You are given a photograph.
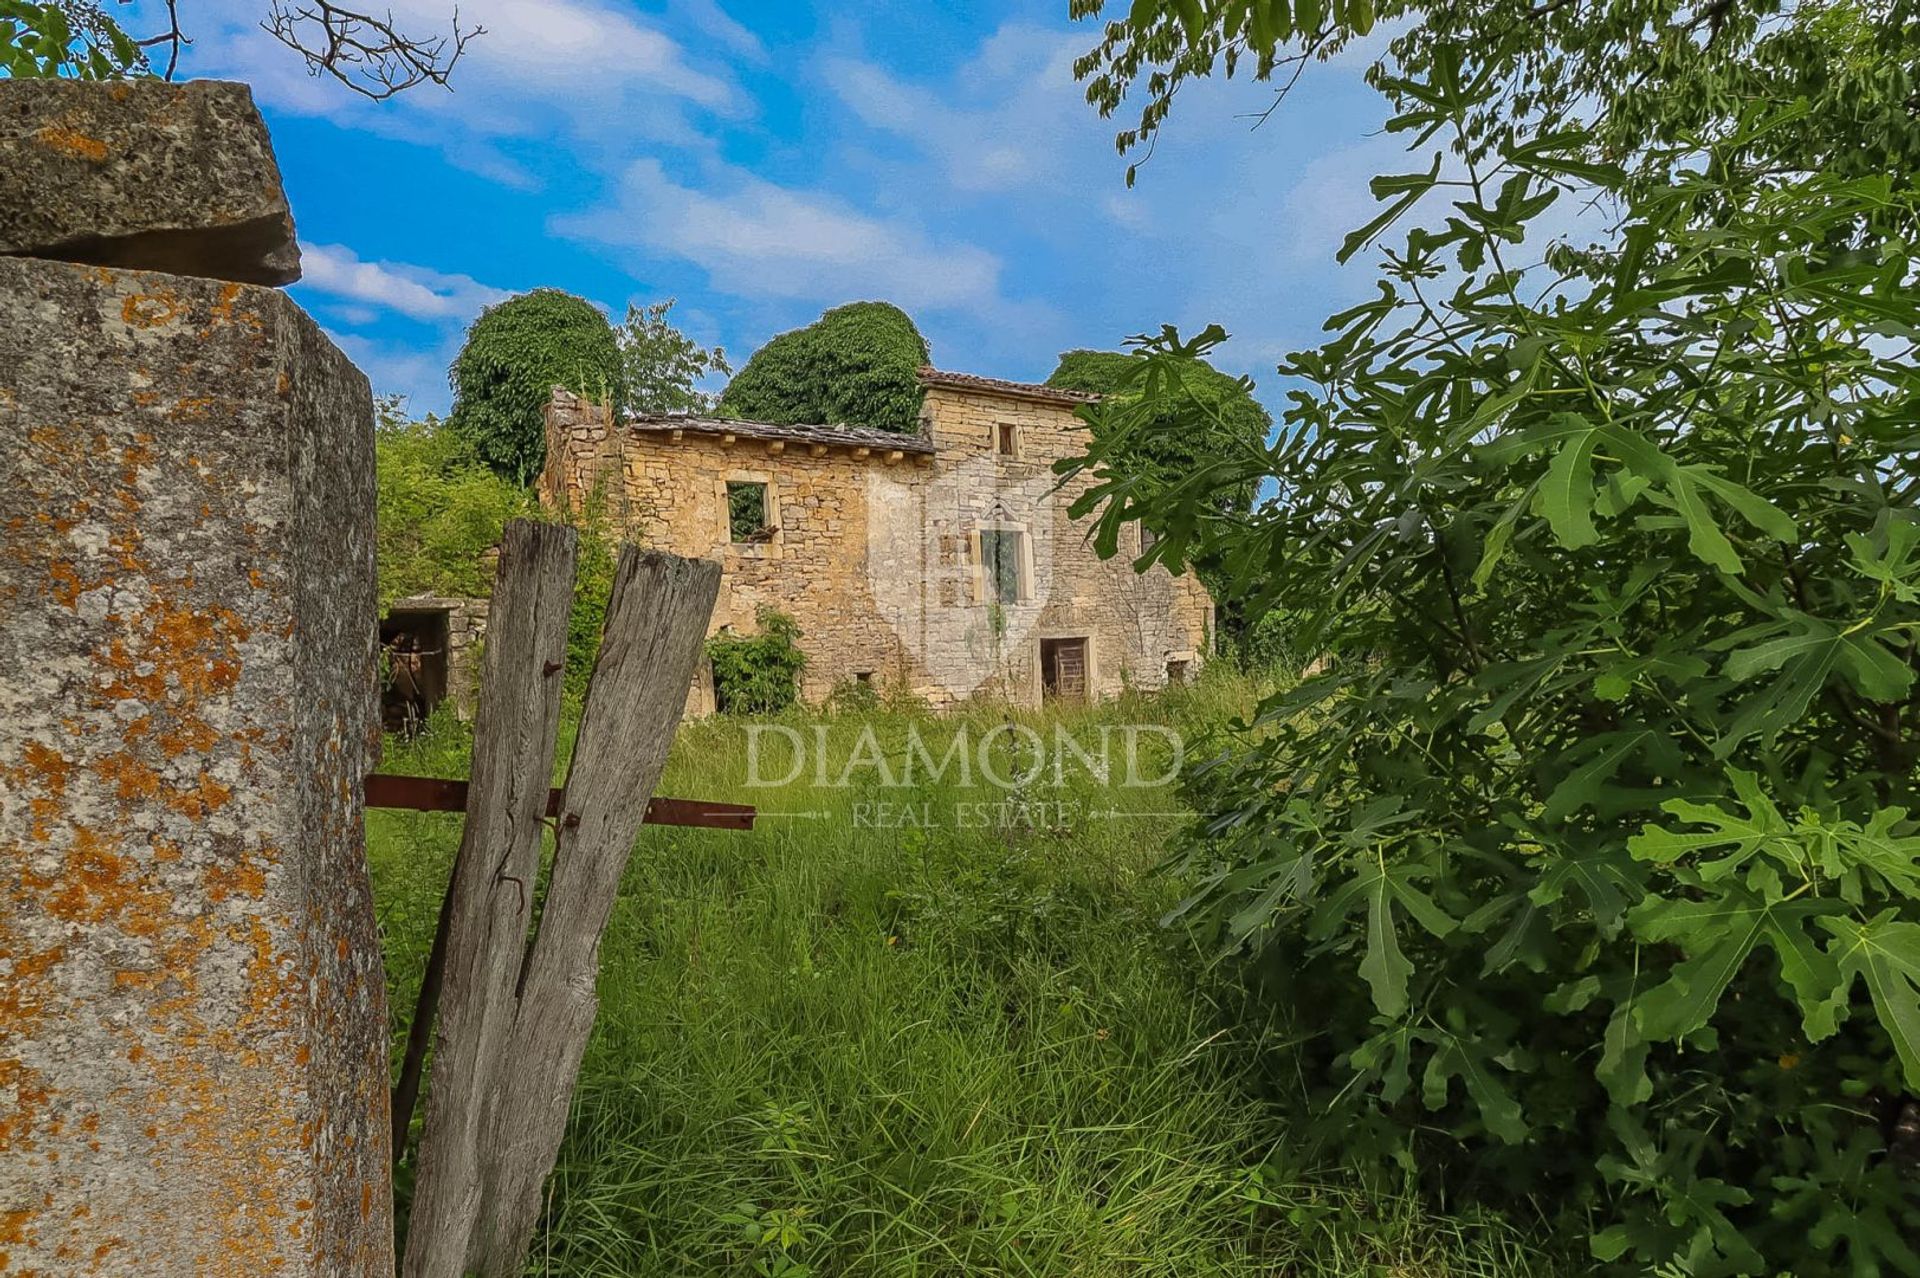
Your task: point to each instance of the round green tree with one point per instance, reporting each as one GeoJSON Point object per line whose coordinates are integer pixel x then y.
{"type": "Point", "coordinates": [516, 353]}
{"type": "Point", "coordinates": [856, 365]}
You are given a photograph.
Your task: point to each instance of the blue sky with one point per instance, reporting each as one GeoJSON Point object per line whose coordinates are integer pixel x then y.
{"type": "Point", "coordinates": [763, 161]}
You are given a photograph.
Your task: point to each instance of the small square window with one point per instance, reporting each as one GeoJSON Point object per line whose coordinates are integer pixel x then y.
{"type": "Point", "coordinates": [1176, 672]}
{"type": "Point", "coordinates": [1006, 439]}
{"type": "Point", "coordinates": [1000, 559]}
{"type": "Point", "coordinates": [1148, 539]}
{"type": "Point", "coordinates": [864, 678]}
{"type": "Point", "coordinates": [747, 521]}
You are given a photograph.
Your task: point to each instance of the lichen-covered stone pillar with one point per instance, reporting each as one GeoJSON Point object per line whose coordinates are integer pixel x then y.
{"type": "Point", "coordinates": [192, 1013]}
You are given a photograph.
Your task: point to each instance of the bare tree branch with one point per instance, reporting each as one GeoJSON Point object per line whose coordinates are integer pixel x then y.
{"type": "Point", "coordinates": [367, 54]}
{"type": "Point", "coordinates": [173, 37]}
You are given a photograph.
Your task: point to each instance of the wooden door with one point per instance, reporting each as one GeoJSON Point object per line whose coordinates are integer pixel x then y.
{"type": "Point", "coordinates": [1063, 668]}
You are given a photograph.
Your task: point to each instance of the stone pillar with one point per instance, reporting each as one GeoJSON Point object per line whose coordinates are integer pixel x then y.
{"type": "Point", "coordinates": [193, 1056]}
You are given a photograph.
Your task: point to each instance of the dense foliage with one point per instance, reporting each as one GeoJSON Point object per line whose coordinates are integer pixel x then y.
{"type": "Point", "coordinates": [856, 365]}
{"type": "Point", "coordinates": [758, 673]}
{"type": "Point", "coordinates": [1588, 869]}
{"type": "Point", "coordinates": [515, 354]}
{"type": "Point", "coordinates": [1164, 437]}
{"type": "Point", "coordinates": [440, 510]}
{"type": "Point", "coordinates": [440, 516]}
{"type": "Point", "coordinates": [71, 38]}
{"type": "Point", "coordinates": [660, 366]}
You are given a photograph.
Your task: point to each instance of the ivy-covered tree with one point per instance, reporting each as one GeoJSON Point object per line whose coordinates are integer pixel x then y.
{"type": "Point", "coordinates": [660, 366]}
{"type": "Point", "coordinates": [515, 354]}
{"type": "Point", "coordinates": [856, 365]}
{"type": "Point", "coordinates": [1589, 867]}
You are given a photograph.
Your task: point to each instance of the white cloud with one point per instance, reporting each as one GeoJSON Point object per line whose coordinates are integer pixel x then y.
{"type": "Point", "coordinates": [1009, 118]}
{"type": "Point", "coordinates": [714, 22]}
{"type": "Point", "coordinates": [587, 76]}
{"type": "Point", "coordinates": [756, 239]}
{"type": "Point", "coordinates": [420, 375]}
{"type": "Point", "coordinates": [414, 291]}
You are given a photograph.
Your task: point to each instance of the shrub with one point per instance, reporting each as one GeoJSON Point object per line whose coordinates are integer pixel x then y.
{"type": "Point", "coordinates": [857, 364]}
{"type": "Point", "coordinates": [1588, 876]}
{"type": "Point", "coordinates": [593, 569]}
{"type": "Point", "coordinates": [759, 673]}
{"type": "Point", "coordinates": [515, 354]}
{"type": "Point", "coordinates": [439, 510]}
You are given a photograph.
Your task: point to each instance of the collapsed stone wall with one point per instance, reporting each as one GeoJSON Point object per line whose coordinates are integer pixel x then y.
{"type": "Point", "coordinates": [193, 1040]}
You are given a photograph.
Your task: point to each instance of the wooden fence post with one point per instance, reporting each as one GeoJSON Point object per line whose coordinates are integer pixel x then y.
{"type": "Point", "coordinates": [493, 882]}
{"type": "Point", "coordinates": [508, 1113]}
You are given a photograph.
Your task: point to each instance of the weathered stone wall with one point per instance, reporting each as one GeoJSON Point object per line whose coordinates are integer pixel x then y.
{"type": "Point", "coordinates": [193, 1063]}
{"type": "Point", "coordinates": [906, 624]}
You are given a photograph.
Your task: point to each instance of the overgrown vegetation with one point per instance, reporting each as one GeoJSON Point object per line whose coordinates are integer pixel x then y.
{"type": "Point", "coordinates": [856, 365]}
{"type": "Point", "coordinates": [1163, 437]}
{"type": "Point", "coordinates": [758, 673]}
{"type": "Point", "coordinates": [1589, 867]}
{"type": "Point", "coordinates": [440, 516]}
{"type": "Point", "coordinates": [515, 354]}
{"type": "Point", "coordinates": [440, 510]}
{"type": "Point", "coordinates": [828, 1047]}
{"type": "Point", "coordinates": [1196, 418]}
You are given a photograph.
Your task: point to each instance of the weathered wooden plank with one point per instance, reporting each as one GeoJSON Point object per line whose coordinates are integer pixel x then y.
{"type": "Point", "coordinates": [494, 874]}
{"type": "Point", "coordinates": [656, 624]}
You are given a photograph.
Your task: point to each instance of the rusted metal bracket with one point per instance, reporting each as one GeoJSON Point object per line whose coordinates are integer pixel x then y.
{"type": "Point", "coordinates": [439, 794]}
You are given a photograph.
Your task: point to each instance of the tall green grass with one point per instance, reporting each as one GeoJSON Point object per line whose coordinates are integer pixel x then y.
{"type": "Point", "coordinates": [826, 1047]}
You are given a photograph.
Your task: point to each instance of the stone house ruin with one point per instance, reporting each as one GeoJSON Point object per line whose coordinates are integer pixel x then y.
{"type": "Point", "coordinates": [941, 564]}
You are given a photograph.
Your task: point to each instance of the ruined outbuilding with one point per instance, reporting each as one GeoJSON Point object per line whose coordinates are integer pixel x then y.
{"type": "Point", "coordinates": [940, 564]}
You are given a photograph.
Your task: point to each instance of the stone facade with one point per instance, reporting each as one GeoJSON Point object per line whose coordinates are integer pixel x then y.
{"type": "Point", "coordinates": [941, 565]}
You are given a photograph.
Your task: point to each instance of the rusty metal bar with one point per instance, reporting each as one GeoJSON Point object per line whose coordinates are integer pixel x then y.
{"type": "Point", "coordinates": [439, 794]}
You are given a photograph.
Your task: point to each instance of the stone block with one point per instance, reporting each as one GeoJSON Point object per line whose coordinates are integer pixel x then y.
{"type": "Point", "coordinates": [193, 1064]}
{"type": "Point", "coordinates": [143, 174]}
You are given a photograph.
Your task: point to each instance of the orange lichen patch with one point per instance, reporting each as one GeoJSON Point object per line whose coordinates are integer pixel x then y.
{"type": "Point", "coordinates": [63, 583]}
{"type": "Point", "coordinates": [71, 142]}
{"type": "Point", "coordinates": [240, 878]}
{"type": "Point", "coordinates": [150, 310]}
{"type": "Point", "coordinates": [96, 884]}
{"type": "Point", "coordinates": [189, 408]}
{"type": "Point", "coordinates": [191, 734]}
{"type": "Point", "coordinates": [132, 780]}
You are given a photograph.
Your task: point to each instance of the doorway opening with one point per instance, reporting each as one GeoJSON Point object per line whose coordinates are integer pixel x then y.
{"type": "Point", "coordinates": [1063, 669]}
{"type": "Point", "coordinates": [413, 645]}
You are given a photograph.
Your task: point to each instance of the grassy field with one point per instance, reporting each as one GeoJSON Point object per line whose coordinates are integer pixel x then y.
{"type": "Point", "coordinates": [925, 1039]}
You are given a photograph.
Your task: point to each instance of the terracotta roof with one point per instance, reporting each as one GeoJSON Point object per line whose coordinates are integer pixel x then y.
{"type": "Point", "coordinates": [843, 436]}
{"type": "Point", "coordinates": [930, 376]}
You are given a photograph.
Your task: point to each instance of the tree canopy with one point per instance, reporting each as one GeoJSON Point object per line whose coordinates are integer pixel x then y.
{"type": "Point", "coordinates": [515, 354]}
{"type": "Point", "coordinates": [856, 365]}
{"type": "Point", "coordinates": [660, 366]}
{"type": "Point", "coordinates": [1589, 861]}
